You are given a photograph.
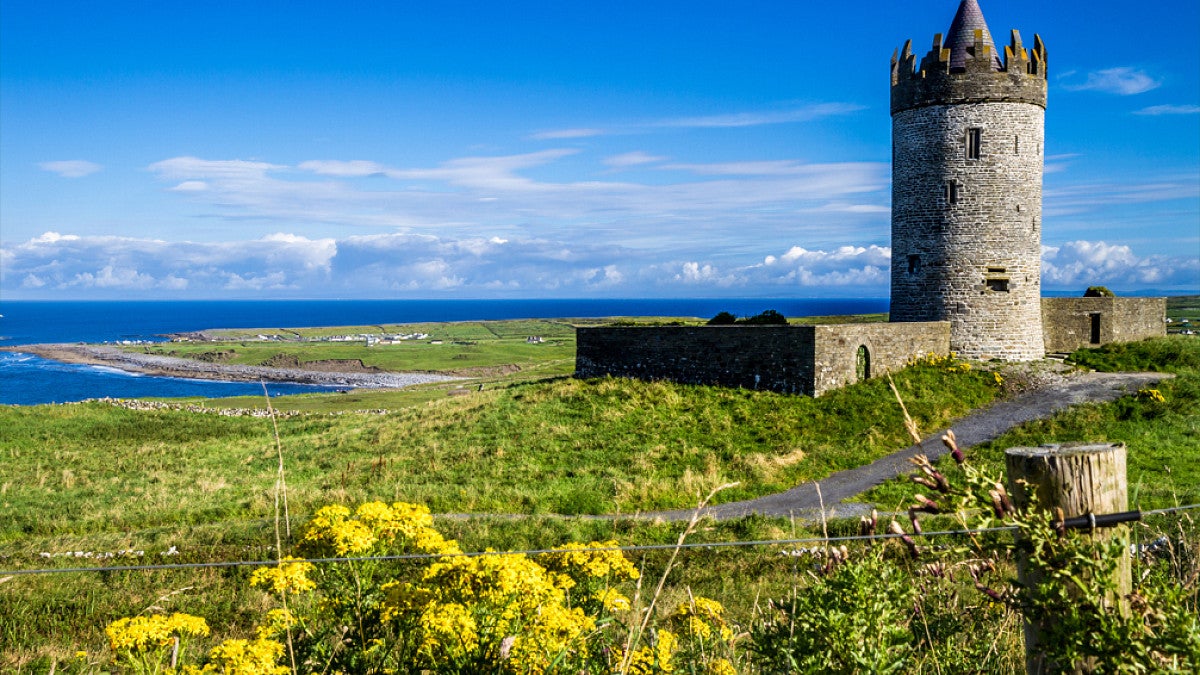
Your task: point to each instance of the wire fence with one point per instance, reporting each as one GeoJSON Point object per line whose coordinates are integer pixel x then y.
{"type": "Point", "coordinates": [1080, 523]}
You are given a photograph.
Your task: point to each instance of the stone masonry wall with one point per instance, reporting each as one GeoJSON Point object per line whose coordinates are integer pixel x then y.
{"type": "Point", "coordinates": [1067, 322]}
{"type": "Point", "coordinates": [889, 345]}
{"type": "Point", "coordinates": [789, 359]}
{"type": "Point", "coordinates": [974, 257]}
{"type": "Point", "coordinates": [776, 358]}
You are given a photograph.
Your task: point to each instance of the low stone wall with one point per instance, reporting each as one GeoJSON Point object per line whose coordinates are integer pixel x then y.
{"type": "Point", "coordinates": [776, 358]}
{"type": "Point", "coordinates": [788, 359]}
{"type": "Point", "coordinates": [889, 348]}
{"type": "Point", "coordinates": [1072, 323]}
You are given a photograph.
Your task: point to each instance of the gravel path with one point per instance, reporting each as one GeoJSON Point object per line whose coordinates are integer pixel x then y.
{"type": "Point", "coordinates": [978, 427]}
{"type": "Point", "coordinates": [169, 366]}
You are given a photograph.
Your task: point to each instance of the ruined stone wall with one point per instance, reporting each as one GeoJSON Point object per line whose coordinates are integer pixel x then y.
{"type": "Point", "coordinates": [775, 358]}
{"type": "Point", "coordinates": [1067, 322]}
{"type": "Point", "coordinates": [889, 347]}
{"type": "Point", "coordinates": [789, 359]}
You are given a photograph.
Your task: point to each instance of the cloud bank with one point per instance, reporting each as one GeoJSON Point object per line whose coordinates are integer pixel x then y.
{"type": "Point", "coordinates": [418, 265]}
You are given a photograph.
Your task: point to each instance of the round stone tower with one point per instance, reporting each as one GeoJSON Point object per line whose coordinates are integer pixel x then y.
{"type": "Point", "coordinates": [967, 149]}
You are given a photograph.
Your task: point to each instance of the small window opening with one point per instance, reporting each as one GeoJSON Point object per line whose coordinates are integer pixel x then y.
{"type": "Point", "coordinates": [974, 143]}
{"type": "Point", "coordinates": [1095, 337]}
{"type": "Point", "coordinates": [1016, 145]}
{"type": "Point", "coordinates": [997, 285]}
{"type": "Point", "coordinates": [862, 363]}
{"type": "Point", "coordinates": [951, 192]}
{"type": "Point", "coordinates": [995, 270]}
{"type": "Point", "coordinates": [914, 264]}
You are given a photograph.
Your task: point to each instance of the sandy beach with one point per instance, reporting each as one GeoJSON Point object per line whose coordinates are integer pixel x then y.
{"type": "Point", "coordinates": [167, 366]}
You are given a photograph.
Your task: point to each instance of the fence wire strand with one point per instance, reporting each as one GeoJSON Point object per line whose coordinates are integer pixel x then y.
{"type": "Point", "coordinates": [476, 554]}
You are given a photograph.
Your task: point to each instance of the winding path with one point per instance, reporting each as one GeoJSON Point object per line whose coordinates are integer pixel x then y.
{"type": "Point", "coordinates": [805, 501]}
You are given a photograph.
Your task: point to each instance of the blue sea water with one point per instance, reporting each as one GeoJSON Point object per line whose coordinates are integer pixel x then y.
{"type": "Point", "coordinates": [27, 380]}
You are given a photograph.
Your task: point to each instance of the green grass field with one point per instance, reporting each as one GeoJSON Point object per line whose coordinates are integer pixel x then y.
{"type": "Point", "coordinates": [98, 478]}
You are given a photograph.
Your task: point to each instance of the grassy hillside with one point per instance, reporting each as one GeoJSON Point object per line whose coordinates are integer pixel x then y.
{"type": "Point", "coordinates": [559, 446]}
{"type": "Point", "coordinates": [177, 486]}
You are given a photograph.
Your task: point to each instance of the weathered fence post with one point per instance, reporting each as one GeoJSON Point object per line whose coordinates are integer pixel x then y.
{"type": "Point", "coordinates": [1080, 479]}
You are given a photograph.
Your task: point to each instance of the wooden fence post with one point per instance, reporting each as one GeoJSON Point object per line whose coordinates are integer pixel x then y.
{"type": "Point", "coordinates": [1080, 479]}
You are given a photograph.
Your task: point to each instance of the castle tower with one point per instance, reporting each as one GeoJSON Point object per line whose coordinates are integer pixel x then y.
{"type": "Point", "coordinates": [967, 151]}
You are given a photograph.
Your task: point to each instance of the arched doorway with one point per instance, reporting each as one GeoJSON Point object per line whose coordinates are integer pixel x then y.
{"type": "Point", "coordinates": [862, 363]}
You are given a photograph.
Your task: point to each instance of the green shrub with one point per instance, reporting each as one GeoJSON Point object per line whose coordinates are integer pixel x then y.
{"type": "Point", "coordinates": [854, 619]}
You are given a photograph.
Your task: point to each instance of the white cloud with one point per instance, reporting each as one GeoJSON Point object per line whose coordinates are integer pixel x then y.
{"type": "Point", "coordinates": [1170, 110]}
{"type": "Point", "coordinates": [629, 159]}
{"type": "Point", "coordinates": [191, 186]}
{"type": "Point", "coordinates": [71, 168]}
{"type": "Point", "coordinates": [1123, 81]}
{"type": "Point", "coordinates": [517, 196]}
{"type": "Point", "coordinates": [1076, 264]}
{"type": "Point", "coordinates": [566, 134]}
{"type": "Point", "coordinates": [806, 113]}
{"type": "Point", "coordinates": [352, 168]}
{"type": "Point", "coordinates": [182, 168]}
{"type": "Point", "coordinates": [1090, 197]}
{"type": "Point", "coordinates": [419, 265]}
{"type": "Point", "coordinates": [70, 264]}
{"type": "Point", "coordinates": [760, 118]}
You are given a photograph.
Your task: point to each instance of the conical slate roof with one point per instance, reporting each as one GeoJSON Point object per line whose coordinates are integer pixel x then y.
{"type": "Point", "coordinates": [960, 39]}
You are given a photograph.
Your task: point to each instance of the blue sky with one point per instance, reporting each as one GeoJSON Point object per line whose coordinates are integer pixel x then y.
{"type": "Point", "coordinates": [548, 149]}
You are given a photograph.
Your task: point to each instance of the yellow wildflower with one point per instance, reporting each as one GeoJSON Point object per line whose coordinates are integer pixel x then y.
{"type": "Point", "coordinates": [1151, 395]}
{"type": "Point", "coordinates": [278, 621]}
{"type": "Point", "coordinates": [585, 560]}
{"type": "Point", "coordinates": [140, 633]}
{"type": "Point", "coordinates": [448, 629]}
{"type": "Point", "coordinates": [247, 657]}
{"type": "Point", "coordinates": [289, 576]}
{"type": "Point", "coordinates": [612, 600]}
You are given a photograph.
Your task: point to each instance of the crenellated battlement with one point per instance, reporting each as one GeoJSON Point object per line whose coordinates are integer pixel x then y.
{"type": "Point", "coordinates": [982, 78]}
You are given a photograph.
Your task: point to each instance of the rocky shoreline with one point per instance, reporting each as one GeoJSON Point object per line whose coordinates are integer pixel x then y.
{"type": "Point", "coordinates": [169, 366]}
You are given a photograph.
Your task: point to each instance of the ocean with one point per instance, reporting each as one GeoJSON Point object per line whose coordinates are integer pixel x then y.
{"type": "Point", "coordinates": [29, 380]}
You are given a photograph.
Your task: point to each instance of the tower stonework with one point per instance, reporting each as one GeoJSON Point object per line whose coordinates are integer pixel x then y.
{"type": "Point", "coordinates": [967, 144]}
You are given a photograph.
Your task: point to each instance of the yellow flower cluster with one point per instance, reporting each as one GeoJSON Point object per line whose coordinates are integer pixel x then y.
{"type": "Point", "coordinates": [468, 606]}
{"type": "Point", "coordinates": [700, 617]}
{"type": "Point", "coordinates": [655, 658]}
{"type": "Point", "coordinates": [721, 667]}
{"type": "Point", "coordinates": [289, 576]}
{"type": "Point", "coordinates": [142, 633]}
{"type": "Point", "coordinates": [278, 621]}
{"type": "Point", "coordinates": [1151, 395]}
{"type": "Point", "coordinates": [587, 560]}
{"type": "Point", "coordinates": [949, 362]}
{"type": "Point", "coordinates": [612, 600]}
{"type": "Point", "coordinates": [334, 530]}
{"type": "Point", "coordinates": [243, 657]}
